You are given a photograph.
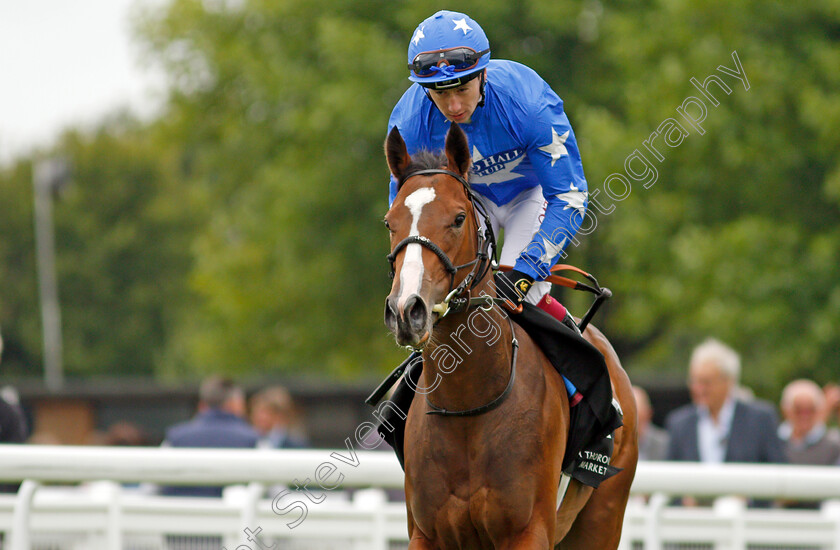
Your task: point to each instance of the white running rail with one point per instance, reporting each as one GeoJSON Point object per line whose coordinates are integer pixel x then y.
{"type": "Point", "coordinates": [102, 514]}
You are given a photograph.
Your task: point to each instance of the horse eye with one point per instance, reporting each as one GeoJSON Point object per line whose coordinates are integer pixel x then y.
{"type": "Point", "coordinates": [459, 220]}
{"type": "Point", "coordinates": [387, 225]}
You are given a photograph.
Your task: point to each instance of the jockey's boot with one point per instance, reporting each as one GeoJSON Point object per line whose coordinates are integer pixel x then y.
{"type": "Point", "coordinates": [558, 311]}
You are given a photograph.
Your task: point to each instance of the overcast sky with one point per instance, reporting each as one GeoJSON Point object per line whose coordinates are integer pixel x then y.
{"type": "Point", "coordinates": [66, 63]}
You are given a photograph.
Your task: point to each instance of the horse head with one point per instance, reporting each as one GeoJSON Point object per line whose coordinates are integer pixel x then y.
{"type": "Point", "coordinates": [434, 235]}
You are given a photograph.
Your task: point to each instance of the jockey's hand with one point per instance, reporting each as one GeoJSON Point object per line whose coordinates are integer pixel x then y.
{"type": "Point", "coordinates": [513, 286]}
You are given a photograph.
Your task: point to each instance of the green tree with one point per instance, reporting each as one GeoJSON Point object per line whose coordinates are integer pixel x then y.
{"type": "Point", "coordinates": [19, 320]}
{"type": "Point", "coordinates": [738, 237]}
{"type": "Point", "coordinates": [282, 107]}
{"type": "Point", "coordinates": [281, 114]}
{"type": "Point", "coordinates": [253, 244]}
{"type": "Point", "coordinates": [123, 229]}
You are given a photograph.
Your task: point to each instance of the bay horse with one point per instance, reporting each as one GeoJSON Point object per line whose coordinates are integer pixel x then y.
{"type": "Point", "coordinates": [487, 429]}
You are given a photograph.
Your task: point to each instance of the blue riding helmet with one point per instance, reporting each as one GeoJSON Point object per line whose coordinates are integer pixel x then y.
{"type": "Point", "coordinates": [447, 50]}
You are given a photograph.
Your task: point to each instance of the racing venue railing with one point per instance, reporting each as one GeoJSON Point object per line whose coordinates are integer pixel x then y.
{"type": "Point", "coordinates": [86, 498]}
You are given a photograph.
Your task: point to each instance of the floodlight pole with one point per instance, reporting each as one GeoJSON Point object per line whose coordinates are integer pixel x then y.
{"type": "Point", "coordinates": [47, 177]}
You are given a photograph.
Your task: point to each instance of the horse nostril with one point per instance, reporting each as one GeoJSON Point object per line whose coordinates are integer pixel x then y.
{"type": "Point", "coordinates": [390, 315]}
{"type": "Point", "coordinates": [416, 313]}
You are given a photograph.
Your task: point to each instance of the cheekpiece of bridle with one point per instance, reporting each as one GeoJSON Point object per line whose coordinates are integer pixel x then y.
{"type": "Point", "coordinates": [456, 300]}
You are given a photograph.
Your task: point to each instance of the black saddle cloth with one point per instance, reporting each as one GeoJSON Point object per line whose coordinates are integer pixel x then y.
{"type": "Point", "coordinates": [593, 419]}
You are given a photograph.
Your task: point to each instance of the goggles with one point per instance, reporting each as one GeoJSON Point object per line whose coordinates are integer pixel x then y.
{"type": "Point", "coordinates": [456, 59]}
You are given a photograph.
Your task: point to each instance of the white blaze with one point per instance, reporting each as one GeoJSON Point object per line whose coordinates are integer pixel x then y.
{"type": "Point", "coordinates": [411, 274]}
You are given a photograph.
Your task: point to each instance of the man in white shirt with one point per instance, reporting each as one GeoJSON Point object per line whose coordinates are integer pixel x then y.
{"type": "Point", "coordinates": [719, 425]}
{"type": "Point", "coordinates": [807, 439]}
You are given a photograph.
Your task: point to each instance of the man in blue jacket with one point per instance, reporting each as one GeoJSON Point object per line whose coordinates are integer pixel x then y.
{"type": "Point", "coordinates": [720, 425]}
{"type": "Point", "coordinates": [220, 423]}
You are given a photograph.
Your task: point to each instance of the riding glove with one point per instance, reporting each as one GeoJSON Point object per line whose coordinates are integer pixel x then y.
{"type": "Point", "coordinates": [513, 286]}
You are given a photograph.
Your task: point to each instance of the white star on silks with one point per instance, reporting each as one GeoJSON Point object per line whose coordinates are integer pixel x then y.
{"type": "Point", "coordinates": [461, 24]}
{"type": "Point", "coordinates": [418, 34]}
{"type": "Point", "coordinates": [551, 250]}
{"type": "Point", "coordinates": [556, 148]}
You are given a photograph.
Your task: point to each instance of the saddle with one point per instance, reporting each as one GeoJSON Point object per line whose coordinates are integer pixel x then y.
{"type": "Point", "coordinates": [592, 420]}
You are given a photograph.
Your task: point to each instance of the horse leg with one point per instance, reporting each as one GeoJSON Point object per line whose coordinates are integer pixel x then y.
{"type": "Point", "coordinates": [533, 538]}
{"type": "Point", "coordinates": [599, 523]}
{"type": "Point", "coordinates": [539, 533]}
{"type": "Point", "coordinates": [419, 542]}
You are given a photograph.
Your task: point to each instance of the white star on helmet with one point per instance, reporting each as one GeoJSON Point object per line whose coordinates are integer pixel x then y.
{"type": "Point", "coordinates": [418, 34]}
{"type": "Point", "coordinates": [461, 24]}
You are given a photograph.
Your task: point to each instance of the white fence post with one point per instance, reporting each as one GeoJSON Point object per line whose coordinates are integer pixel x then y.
{"type": "Point", "coordinates": [732, 508]}
{"type": "Point", "coordinates": [249, 508]}
{"type": "Point", "coordinates": [22, 514]}
{"type": "Point", "coordinates": [657, 502]}
{"type": "Point", "coordinates": [113, 535]}
{"type": "Point", "coordinates": [831, 509]}
{"type": "Point", "coordinates": [373, 502]}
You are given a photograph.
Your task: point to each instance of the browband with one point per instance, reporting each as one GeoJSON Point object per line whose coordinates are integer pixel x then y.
{"type": "Point", "coordinates": [428, 171]}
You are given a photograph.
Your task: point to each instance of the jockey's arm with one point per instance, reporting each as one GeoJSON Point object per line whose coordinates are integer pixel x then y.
{"type": "Point", "coordinates": [554, 153]}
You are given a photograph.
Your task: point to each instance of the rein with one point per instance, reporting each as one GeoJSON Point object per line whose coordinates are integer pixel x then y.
{"type": "Point", "coordinates": [454, 301]}
{"type": "Point", "coordinates": [498, 400]}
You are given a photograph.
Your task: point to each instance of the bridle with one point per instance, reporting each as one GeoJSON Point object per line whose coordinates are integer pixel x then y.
{"type": "Point", "coordinates": [455, 300]}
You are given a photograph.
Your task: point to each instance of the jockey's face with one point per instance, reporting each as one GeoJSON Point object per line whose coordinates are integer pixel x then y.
{"type": "Point", "coordinates": [458, 104]}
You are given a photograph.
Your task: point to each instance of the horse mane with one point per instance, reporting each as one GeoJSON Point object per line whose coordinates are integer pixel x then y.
{"type": "Point", "coordinates": [424, 160]}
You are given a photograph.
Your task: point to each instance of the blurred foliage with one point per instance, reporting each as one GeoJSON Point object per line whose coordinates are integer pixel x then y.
{"type": "Point", "coordinates": [123, 233]}
{"type": "Point", "coordinates": [240, 231]}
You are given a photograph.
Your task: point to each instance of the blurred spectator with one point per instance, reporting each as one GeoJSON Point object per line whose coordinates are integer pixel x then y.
{"type": "Point", "coordinates": [723, 423]}
{"type": "Point", "coordinates": [719, 426]}
{"type": "Point", "coordinates": [832, 402]}
{"type": "Point", "coordinates": [13, 427]}
{"type": "Point", "coordinates": [807, 439]}
{"type": "Point", "coordinates": [43, 438]}
{"type": "Point", "coordinates": [274, 416]}
{"type": "Point", "coordinates": [126, 434]}
{"type": "Point", "coordinates": [653, 440]}
{"type": "Point", "coordinates": [121, 434]}
{"type": "Point", "coordinates": [220, 423]}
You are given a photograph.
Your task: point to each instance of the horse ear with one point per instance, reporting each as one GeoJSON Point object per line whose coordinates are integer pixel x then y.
{"type": "Point", "coordinates": [457, 150]}
{"type": "Point", "coordinates": [396, 153]}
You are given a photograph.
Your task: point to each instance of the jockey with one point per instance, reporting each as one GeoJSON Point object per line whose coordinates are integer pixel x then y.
{"type": "Point", "coordinates": [526, 166]}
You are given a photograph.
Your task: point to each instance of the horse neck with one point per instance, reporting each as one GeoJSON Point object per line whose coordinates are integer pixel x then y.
{"type": "Point", "coordinates": [468, 361]}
